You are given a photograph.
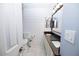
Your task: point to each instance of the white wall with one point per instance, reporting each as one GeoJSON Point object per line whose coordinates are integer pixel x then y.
{"type": "Point", "coordinates": [34, 16]}
{"type": "Point", "coordinates": [59, 19]}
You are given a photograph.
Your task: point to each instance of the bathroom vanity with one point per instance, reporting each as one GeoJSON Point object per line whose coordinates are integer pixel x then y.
{"type": "Point", "coordinates": [53, 39]}
{"type": "Point", "coordinates": [55, 45]}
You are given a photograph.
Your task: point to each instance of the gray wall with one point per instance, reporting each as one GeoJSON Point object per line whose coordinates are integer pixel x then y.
{"type": "Point", "coordinates": [70, 22]}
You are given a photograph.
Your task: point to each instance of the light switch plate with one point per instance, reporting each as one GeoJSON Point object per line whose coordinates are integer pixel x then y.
{"type": "Point", "coordinates": [70, 36]}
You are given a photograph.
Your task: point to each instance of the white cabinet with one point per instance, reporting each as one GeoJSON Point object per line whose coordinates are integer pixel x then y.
{"type": "Point", "coordinates": [47, 47]}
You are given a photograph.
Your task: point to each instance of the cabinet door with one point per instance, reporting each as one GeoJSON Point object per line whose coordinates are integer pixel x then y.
{"type": "Point", "coordinates": [9, 16]}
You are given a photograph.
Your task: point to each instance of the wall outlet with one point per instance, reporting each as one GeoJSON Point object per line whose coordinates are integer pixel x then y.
{"type": "Point", "coordinates": [70, 36]}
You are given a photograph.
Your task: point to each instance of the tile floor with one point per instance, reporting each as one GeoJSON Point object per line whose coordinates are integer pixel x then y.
{"type": "Point", "coordinates": [36, 49]}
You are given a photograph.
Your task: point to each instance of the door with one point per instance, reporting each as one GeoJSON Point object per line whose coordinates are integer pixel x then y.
{"type": "Point", "coordinates": [10, 28]}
